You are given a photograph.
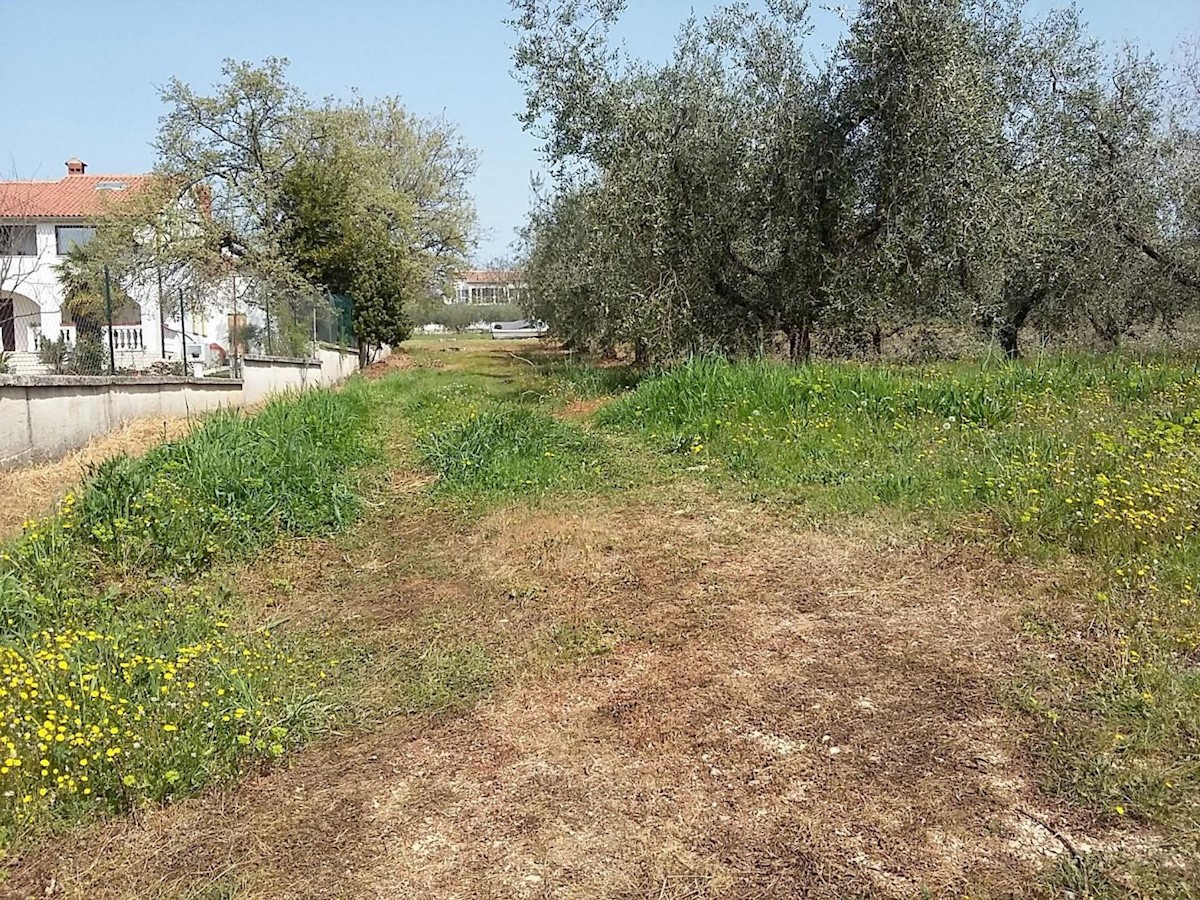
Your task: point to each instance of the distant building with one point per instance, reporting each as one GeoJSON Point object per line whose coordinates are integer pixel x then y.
{"type": "Point", "coordinates": [489, 286]}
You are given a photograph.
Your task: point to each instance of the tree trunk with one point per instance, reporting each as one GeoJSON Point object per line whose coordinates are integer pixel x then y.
{"type": "Point", "coordinates": [877, 340]}
{"type": "Point", "coordinates": [1006, 336]}
{"type": "Point", "coordinates": [799, 342]}
{"type": "Point", "coordinates": [640, 353]}
{"type": "Point", "coordinates": [1009, 331]}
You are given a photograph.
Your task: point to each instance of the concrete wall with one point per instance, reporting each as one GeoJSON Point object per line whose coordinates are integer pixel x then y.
{"type": "Point", "coordinates": [43, 416]}
{"type": "Point", "coordinates": [266, 375]}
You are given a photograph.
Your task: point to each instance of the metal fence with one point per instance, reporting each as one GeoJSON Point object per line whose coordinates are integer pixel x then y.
{"type": "Point", "coordinates": [97, 339]}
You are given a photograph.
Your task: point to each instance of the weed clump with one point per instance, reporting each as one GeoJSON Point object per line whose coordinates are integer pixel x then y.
{"type": "Point", "coordinates": [122, 678]}
{"type": "Point", "coordinates": [485, 446]}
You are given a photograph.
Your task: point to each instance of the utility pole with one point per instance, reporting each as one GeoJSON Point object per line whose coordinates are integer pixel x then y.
{"type": "Point", "coordinates": [112, 356]}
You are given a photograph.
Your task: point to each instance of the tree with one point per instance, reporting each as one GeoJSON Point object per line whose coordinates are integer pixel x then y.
{"type": "Point", "coordinates": [952, 161]}
{"type": "Point", "coordinates": [378, 210]}
{"type": "Point", "coordinates": [355, 198]}
{"type": "Point", "coordinates": [82, 275]}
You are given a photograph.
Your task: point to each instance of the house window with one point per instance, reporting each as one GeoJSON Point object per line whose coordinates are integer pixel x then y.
{"type": "Point", "coordinates": [18, 240]}
{"type": "Point", "coordinates": [70, 236]}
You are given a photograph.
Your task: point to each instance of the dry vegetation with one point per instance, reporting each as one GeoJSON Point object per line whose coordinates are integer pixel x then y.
{"type": "Point", "coordinates": [30, 490]}
{"type": "Point", "coordinates": [658, 688]}
{"type": "Point", "coordinates": [752, 710]}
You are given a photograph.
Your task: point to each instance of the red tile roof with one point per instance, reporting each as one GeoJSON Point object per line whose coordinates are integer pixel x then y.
{"type": "Point", "coordinates": [73, 197]}
{"type": "Point", "coordinates": [492, 276]}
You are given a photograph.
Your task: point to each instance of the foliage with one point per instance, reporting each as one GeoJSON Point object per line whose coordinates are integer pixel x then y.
{"type": "Point", "coordinates": [82, 273]}
{"type": "Point", "coordinates": [950, 161]}
{"type": "Point", "coordinates": [356, 198]}
{"type": "Point", "coordinates": [54, 355]}
{"type": "Point", "coordinates": [1096, 457]}
{"type": "Point", "coordinates": [478, 444]}
{"type": "Point", "coordinates": [4, 363]}
{"type": "Point", "coordinates": [459, 317]}
{"type": "Point", "coordinates": [123, 678]}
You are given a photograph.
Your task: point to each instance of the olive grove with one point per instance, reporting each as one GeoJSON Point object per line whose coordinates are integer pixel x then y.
{"type": "Point", "coordinates": [951, 161]}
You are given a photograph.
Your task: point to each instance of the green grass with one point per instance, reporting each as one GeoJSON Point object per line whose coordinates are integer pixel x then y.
{"type": "Point", "coordinates": [113, 618]}
{"type": "Point", "coordinates": [494, 441]}
{"type": "Point", "coordinates": [583, 380]}
{"type": "Point", "coordinates": [123, 678]}
{"type": "Point", "coordinates": [1097, 457]}
{"type": "Point", "coordinates": [440, 678]}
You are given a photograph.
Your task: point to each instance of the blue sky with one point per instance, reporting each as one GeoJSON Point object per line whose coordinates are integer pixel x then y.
{"type": "Point", "coordinates": [79, 78]}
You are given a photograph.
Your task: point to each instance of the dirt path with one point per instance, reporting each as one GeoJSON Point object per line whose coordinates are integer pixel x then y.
{"type": "Point", "coordinates": [782, 713]}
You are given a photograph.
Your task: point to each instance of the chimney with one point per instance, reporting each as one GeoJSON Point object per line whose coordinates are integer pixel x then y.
{"type": "Point", "coordinates": [76, 166]}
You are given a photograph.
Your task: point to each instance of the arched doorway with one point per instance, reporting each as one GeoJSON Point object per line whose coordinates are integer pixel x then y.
{"type": "Point", "coordinates": [20, 322]}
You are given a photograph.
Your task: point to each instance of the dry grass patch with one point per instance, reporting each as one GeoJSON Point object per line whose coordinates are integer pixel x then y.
{"type": "Point", "coordinates": [766, 713]}
{"type": "Point", "coordinates": [30, 491]}
{"type": "Point", "coordinates": [582, 409]}
{"type": "Point", "coordinates": [398, 361]}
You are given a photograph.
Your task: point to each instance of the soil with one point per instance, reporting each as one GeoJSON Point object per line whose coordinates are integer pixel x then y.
{"type": "Point", "coordinates": [759, 711]}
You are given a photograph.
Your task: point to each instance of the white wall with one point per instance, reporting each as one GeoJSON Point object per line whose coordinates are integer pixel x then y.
{"type": "Point", "coordinates": [42, 417]}
{"type": "Point", "coordinates": [266, 375]}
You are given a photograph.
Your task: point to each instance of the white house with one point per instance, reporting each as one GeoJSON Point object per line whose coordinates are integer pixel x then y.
{"type": "Point", "coordinates": [39, 223]}
{"type": "Point", "coordinates": [489, 286]}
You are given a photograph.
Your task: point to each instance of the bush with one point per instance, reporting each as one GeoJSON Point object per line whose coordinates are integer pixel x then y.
{"type": "Point", "coordinates": [459, 317]}
{"type": "Point", "coordinates": [54, 354]}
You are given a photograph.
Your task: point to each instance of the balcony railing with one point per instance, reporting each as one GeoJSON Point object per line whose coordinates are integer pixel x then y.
{"type": "Point", "coordinates": [125, 338]}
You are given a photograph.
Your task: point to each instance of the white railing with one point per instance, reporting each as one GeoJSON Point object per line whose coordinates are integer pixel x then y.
{"type": "Point", "coordinates": [127, 338]}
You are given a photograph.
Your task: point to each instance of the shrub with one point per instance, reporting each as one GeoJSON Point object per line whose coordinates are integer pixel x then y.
{"type": "Point", "coordinates": [54, 355]}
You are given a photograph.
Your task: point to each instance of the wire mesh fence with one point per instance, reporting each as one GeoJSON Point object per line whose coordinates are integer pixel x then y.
{"type": "Point", "coordinates": [334, 323]}
{"type": "Point", "coordinates": [291, 323]}
{"type": "Point", "coordinates": [177, 335]}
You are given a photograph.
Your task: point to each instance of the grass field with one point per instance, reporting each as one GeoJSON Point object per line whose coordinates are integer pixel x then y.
{"type": "Point", "coordinates": [520, 626]}
{"type": "Point", "coordinates": [1095, 462]}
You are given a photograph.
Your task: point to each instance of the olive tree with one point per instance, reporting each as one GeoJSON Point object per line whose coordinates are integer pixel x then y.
{"type": "Point", "coordinates": [951, 161]}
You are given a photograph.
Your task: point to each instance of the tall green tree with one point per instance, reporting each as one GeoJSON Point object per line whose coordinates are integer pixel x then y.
{"type": "Point", "coordinates": [357, 198]}
{"type": "Point", "coordinates": [379, 210]}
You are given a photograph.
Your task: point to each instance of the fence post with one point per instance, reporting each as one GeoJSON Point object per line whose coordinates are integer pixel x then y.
{"type": "Point", "coordinates": [267, 311]}
{"type": "Point", "coordinates": [112, 356]}
{"type": "Point", "coordinates": [183, 360]}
